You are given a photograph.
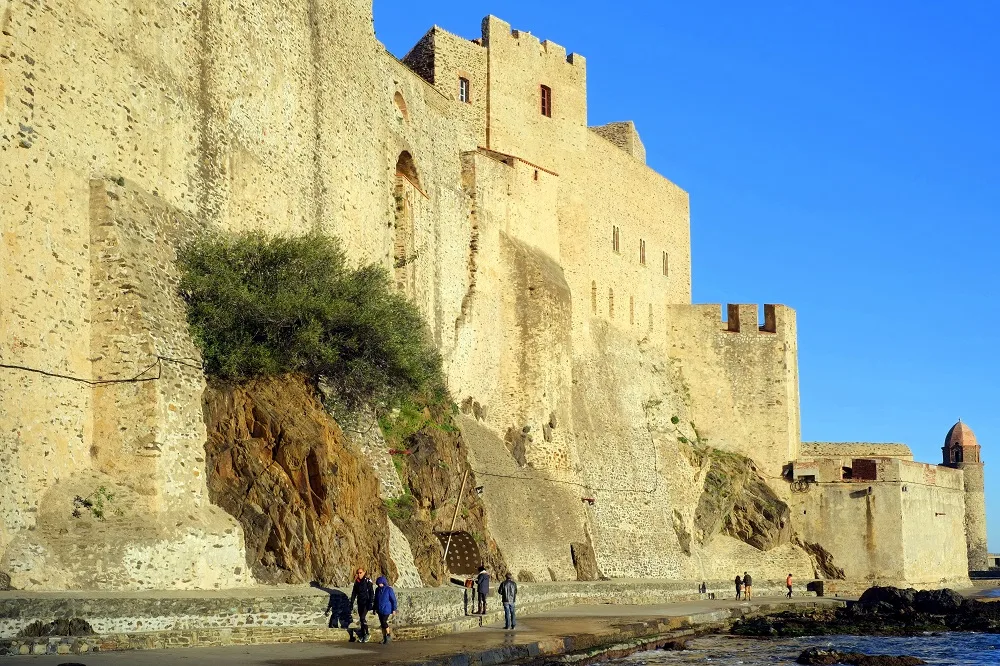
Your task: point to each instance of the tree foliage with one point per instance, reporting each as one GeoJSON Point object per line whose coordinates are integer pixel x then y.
{"type": "Point", "coordinates": [261, 305]}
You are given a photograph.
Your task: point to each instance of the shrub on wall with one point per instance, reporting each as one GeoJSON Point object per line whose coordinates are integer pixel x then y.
{"type": "Point", "coordinates": [261, 305]}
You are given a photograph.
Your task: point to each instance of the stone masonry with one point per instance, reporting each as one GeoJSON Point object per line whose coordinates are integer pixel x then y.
{"type": "Point", "coordinates": [552, 264]}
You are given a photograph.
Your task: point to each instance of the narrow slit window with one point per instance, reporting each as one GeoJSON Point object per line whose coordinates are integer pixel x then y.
{"type": "Point", "coordinates": [593, 297]}
{"type": "Point", "coordinates": [611, 303]}
{"type": "Point", "coordinates": [547, 101]}
{"type": "Point", "coordinates": [615, 237]}
{"type": "Point", "coordinates": [464, 92]}
{"type": "Point", "coordinates": [665, 264]}
{"type": "Point", "coordinates": [642, 252]}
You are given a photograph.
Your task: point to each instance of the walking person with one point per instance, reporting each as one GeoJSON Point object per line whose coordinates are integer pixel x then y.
{"type": "Point", "coordinates": [747, 586]}
{"type": "Point", "coordinates": [482, 589]}
{"type": "Point", "coordinates": [739, 587]}
{"type": "Point", "coordinates": [363, 593]}
{"type": "Point", "coordinates": [508, 596]}
{"type": "Point", "coordinates": [788, 584]}
{"type": "Point", "coordinates": [385, 606]}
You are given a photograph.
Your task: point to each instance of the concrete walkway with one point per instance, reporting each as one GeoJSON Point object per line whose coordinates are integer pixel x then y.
{"type": "Point", "coordinates": [555, 632]}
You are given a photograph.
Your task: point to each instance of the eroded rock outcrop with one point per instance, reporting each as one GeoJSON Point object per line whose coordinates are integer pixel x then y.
{"type": "Point", "coordinates": [308, 502]}
{"type": "Point", "coordinates": [432, 470]}
{"type": "Point", "coordinates": [737, 501]}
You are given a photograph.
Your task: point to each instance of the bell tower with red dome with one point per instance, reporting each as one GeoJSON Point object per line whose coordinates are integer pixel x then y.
{"type": "Point", "coordinates": [962, 451]}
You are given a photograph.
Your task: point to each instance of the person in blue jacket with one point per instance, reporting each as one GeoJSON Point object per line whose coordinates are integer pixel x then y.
{"type": "Point", "coordinates": [385, 606]}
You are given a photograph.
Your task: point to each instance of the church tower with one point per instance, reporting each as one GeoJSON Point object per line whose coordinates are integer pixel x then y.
{"type": "Point", "coordinates": [961, 451]}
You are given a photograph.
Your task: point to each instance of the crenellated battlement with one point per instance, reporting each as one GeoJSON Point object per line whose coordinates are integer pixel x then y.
{"type": "Point", "coordinates": [495, 29]}
{"type": "Point", "coordinates": [744, 318]}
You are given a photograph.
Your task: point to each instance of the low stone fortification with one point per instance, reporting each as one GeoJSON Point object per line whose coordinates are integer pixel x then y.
{"type": "Point", "coordinates": [139, 620]}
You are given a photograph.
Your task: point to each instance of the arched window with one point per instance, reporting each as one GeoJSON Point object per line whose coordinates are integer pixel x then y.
{"type": "Point", "coordinates": [408, 197]}
{"type": "Point", "coordinates": [401, 105]}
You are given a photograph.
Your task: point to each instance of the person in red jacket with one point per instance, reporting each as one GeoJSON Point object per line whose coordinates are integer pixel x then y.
{"type": "Point", "coordinates": [788, 584]}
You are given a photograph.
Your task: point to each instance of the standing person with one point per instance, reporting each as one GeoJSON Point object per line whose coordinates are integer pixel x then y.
{"type": "Point", "coordinates": [788, 584]}
{"type": "Point", "coordinates": [385, 606]}
{"type": "Point", "coordinates": [739, 586]}
{"type": "Point", "coordinates": [747, 586]}
{"type": "Point", "coordinates": [482, 589]}
{"type": "Point", "coordinates": [508, 595]}
{"type": "Point", "coordinates": [363, 593]}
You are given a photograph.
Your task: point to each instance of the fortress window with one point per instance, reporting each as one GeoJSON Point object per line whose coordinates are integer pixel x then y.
{"type": "Point", "coordinates": [611, 303]}
{"type": "Point", "coordinates": [614, 238]}
{"type": "Point", "coordinates": [665, 263]}
{"type": "Point", "coordinates": [642, 252]}
{"type": "Point", "coordinates": [464, 94]}
{"type": "Point", "coordinates": [593, 297]}
{"type": "Point", "coordinates": [547, 101]}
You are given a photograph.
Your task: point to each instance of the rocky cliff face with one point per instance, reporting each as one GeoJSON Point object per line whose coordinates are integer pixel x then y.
{"type": "Point", "coordinates": [308, 502]}
{"type": "Point", "coordinates": [432, 466]}
{"type": "Point", "coordinates": [737, 501]}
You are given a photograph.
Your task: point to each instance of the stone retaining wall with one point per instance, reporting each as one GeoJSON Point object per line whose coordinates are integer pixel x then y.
{"type": "Point", "coordinates": [288, 615]}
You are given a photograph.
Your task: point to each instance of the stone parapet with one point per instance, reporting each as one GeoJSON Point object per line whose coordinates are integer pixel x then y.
{"type": "Point", "coordinates": [140, 620]}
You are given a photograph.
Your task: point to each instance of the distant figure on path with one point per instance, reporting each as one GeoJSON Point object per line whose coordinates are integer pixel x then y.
{"type": "Point", "coordinates": [747, 586]}
{"type": "Point", "coordinates": [482, 589]}
{"type": "Point", "coordinates": [385, 606]}
{"type": "Point", "coordinates": [508, 595]}
{"type": "Point", "coordinates": [739, 587]}
{"type": "Point", "coordinates": [788, 584]}
{"type": "Point", "coordinates": [364, 593]}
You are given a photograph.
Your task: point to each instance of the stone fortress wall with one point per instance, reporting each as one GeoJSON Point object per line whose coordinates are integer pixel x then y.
{"type": "Point", "coordinates": [130, 126]}
{"type": "Point", "coordinates": [885, 520]}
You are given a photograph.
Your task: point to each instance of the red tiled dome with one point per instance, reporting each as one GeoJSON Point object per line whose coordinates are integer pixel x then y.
{"type": "Point", "coordinates": [960, 435]}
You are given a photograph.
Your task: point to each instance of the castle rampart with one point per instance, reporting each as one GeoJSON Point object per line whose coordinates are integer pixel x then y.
{"type": "Point", "coordinates": [884, 520]}
{"type": "Point", "coordinates": [748, 369]}
{"type": "Point", "coordinates": [552, 264]}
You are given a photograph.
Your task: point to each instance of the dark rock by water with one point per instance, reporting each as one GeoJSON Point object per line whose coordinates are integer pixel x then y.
{"type": "Point", "coordinates": [882, 611]}
{"type": "Point", "coordinates": [821, 657]}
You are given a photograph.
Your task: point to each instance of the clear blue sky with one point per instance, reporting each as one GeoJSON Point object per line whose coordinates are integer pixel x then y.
{"type": "Point", "coordinates": [842, 159]}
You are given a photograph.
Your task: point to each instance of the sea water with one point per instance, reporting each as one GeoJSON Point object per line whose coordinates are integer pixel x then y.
{"type": "Point", "coordinates": [951, 649]}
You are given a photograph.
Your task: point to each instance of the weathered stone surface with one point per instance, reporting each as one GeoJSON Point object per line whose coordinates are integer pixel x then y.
{"type": "Point", "coordinates": [737, 501]}
{"type": "Point", "coordinates": [825, 566]}
{"type": "Point", "coordinates": [4, 582]}
{"type": "Point", "coordinates": [585, 561]}
{"type": "Point", "coordinates": [308, 502]}
{"type": "Point", "coordinates": [433, 472]}
{"type": "Point", "coordinates": [59, 627]}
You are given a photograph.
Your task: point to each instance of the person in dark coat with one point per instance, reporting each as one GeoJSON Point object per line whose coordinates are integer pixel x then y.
{"type": "Point", "coordinates": [747, 586]}
{"type": "Point", "coordinates": [508, 596]}
{"type": "Point", "coordinates": [363, 593]}
{"type": "Point", "coordinates": [739, 586]}
{"type": "Point", "coordinates": [482, 589]}
{"type": "Point", "coordinates": [385, 606]}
